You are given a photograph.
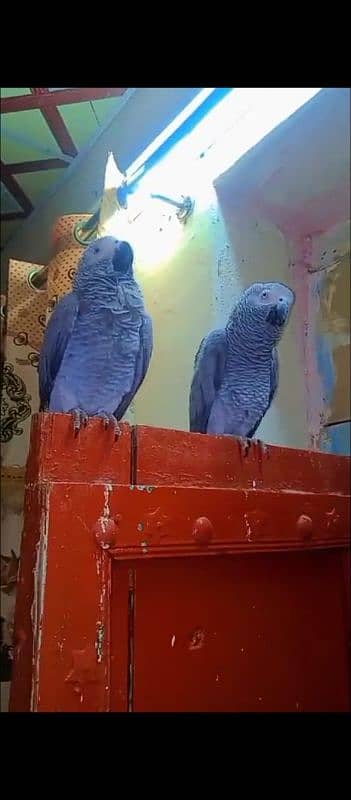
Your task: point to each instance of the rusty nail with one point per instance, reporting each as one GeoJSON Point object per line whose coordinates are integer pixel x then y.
{"type": "Point", "coordinates": [332, 518]}
{"type": "Point", "coordinates": [203, 530]}
{"type": "Point", "coordinates": [105, 531]}
{"type": "Point", "coordinates": [304, 526]}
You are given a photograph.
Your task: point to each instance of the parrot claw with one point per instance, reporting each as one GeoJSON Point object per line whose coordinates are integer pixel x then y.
{"type": "Point", "coordinates": [79, 418]}
{"type": "Point", "coordinates": [110, 419]}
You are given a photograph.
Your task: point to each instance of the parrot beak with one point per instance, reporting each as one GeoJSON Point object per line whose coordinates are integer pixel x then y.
{"type": "Point", "coordinates": [279, 313]}
{"type": "Point", "coordinates": [123, 257]}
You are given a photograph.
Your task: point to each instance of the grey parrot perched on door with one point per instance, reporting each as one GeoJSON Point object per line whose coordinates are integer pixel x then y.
{"type": "Point", "coordinates": [98, 342]}
{"type": "Point", "coordinates": [236, 367]}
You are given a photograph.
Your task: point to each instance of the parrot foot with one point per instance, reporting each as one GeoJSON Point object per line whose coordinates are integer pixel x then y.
{"type": "Point", "coordinates": [79, 418]}
{"type": "Point", "coordinates": [110, 419]}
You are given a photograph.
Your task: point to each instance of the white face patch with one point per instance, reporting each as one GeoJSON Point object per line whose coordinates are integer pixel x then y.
{"type": "Point", "coordinates": [261, 295]}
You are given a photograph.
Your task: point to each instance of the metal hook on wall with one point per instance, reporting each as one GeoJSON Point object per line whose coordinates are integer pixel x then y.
{"type": "Point", "coordinates": [85, 232]}
{"type": "Point", "coordinates": [185, 208]}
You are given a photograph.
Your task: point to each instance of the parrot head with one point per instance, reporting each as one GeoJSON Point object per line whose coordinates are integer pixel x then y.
{"type": "Point", "coordinates": [268, 303]}
{"type": "Point", "coordinates": [106, 260]}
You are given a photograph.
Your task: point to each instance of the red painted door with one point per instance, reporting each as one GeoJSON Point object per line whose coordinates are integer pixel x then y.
{"type": "Point", "coordinates": [234, 634]}
{"type": "Point", "coordinates": [176, 572]}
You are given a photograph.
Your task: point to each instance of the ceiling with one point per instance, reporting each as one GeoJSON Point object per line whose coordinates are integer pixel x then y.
{"type": "Point", "coordinates": [42, 132]}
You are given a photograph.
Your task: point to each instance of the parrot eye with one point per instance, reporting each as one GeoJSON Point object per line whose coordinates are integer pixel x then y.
{"type": "Point", "coordinates": [96, 249]}
{"type": "Point", "coordinates": [264, 293]}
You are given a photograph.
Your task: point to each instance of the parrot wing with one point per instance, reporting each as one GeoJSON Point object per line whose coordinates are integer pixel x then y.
{"type": "Point", "coordinates": [57, 335]}
{"type": "Point", "coordinates": [208, 375]}
{"type": "Point", "coordinates": [141, 365]}
{"type": "Point", "coordinates": [273, 389]}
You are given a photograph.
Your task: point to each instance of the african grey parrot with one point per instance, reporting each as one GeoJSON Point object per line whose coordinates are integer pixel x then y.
{"type": "Point", "coordinates": [98, 342]}
{"type": "Point", "coordinates": [236, 367]}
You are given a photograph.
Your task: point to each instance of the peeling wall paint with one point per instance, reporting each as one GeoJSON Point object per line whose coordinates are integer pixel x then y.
{"type": "Point", "coordinates": [331, 262]}
{"type": "Point", "coordinates": [307, 304]}
{"type": "Point", "coordinates": [333, 338]}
